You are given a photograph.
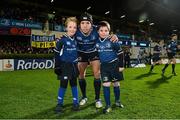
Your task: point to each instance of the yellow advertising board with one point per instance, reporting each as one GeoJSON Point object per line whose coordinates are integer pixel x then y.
{"type": "Point", "coordinates": [44, 39]}
{"type": "Point", "coordinates": [43, 44]}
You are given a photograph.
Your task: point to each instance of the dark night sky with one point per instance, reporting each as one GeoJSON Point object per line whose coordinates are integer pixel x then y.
{"type": "Point", "coordinates": [164, 13]}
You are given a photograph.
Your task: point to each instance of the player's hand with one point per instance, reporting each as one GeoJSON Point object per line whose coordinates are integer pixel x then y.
{"type": "Point", "coordinates": [57, 68]}
{"type": "Point", "coordinates": [121, 69]}
{"type": "Point", "coordinates": [113, 38]}
{"type": "Point", "coordinates": [169, 50]}
{"type": "Point", "coordinates": [178, 47]}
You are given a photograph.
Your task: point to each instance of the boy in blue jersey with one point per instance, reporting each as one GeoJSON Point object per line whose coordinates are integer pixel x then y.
{"type": "Point", "coordinates": [86, 37]}
{"type": "Point", "coordinates": [66, 64]}
{"type": "Point", "coordinates": [156, 56]}
{"type": "Point", "coordinates": [110, 56]}
{"type": "Point", "coordinates": [171, 52]}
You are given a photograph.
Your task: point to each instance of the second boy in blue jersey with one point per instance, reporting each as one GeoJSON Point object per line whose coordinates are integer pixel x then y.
{"type": "Point", "coordinates": [109, 54]}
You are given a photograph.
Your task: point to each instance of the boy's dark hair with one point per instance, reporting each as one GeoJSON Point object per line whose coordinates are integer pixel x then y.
{"type": "Point", "coordinates": [172, 35]}
{"type": "Point", "coordinates": [104, 24]}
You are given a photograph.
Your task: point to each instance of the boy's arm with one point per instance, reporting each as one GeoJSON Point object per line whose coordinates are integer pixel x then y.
{"type": "Point", "coordinates": [57, 50]}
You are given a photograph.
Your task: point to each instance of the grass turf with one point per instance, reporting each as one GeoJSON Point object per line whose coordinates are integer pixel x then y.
{"type": "Point", "coordinates": [33, 94]}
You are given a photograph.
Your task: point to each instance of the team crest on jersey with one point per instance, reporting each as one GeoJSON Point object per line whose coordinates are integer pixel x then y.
{"type": "Point", "coordinates": [79, 38]}
{"type": "Point", "coordinates": [68, 43]}
{"type": "Point", "coordinates": [73, 46]}
{"type": "Point", "coordinates": [97, 45]}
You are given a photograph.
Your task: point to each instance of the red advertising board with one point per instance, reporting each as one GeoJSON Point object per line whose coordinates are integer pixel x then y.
{"type": "Point", "coordinates": [20, 31]}
{"type": "Point", "coordinates": [14, 31]}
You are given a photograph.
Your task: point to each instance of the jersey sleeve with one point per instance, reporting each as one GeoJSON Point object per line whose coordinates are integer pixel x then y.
{"type": "Point", "coordinates": [119, 51]}
{"type": "Point", "coordinates": [57, 49]}
{"type": "Point", "coordinates": [117, 47]}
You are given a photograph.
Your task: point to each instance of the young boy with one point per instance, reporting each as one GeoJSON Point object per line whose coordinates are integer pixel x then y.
{"type": "Point", "coordinates": [110, 55]}
{"type": "Point", "coordinates": [66, 64]}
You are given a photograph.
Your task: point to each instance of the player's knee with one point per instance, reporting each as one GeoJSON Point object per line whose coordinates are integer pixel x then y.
{"type": "Point", "coordinates": [116, 84]}
{"type": "Point", "coordinates": [107, 84]}
{"type": "Point", "coordinates": [64, 83]}
{"type": "Point", "coordinates": [174, 61]}
{"type": "Point", "coordinates": [96, 74]}
{"type": "Point", "coordinates": [81, 74]}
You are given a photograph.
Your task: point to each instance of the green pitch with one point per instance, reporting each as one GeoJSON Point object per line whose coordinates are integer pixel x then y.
{"type": "Point", "coordinates": [33, 94]}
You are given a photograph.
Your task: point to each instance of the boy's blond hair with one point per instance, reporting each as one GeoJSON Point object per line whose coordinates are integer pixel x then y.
{"type": "Point", "coordinates": [71, 19]}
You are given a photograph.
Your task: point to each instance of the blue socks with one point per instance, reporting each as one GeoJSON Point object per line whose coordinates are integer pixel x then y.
{"type": "Point", "coordinates": [117, 93]}
{"type": "Point", "coordinates": [61, 93]}
{"type": "Point", "coordinates": [106, 91]}
{"type": "Point", "coordinates": [75, 95]}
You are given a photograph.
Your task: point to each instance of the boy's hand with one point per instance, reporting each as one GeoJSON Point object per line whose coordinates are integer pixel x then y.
{"type": "Point", "coordinates": [113, 38]}
{"type": "Point", "coordinates": [121, 69]}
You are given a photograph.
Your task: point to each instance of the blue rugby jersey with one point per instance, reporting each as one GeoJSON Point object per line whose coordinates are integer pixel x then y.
{"type": "Point", "coordinates": [172, 46]}
{"type": "Point", "coordinates": [87, 43]}
{"type": "Point", "coordinates": [108, 51]}
{"type": "Point", "coordinates": [157, 50]}
{"type": "Point", "coordinates": [66, 49]}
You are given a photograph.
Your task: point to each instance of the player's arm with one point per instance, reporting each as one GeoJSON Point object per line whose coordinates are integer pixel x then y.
{"type": "Point", "coordinates": [120, 54]}
{"type": "Point", "coordinates": [57, 51]}
{"type": "Point", "coordinates": [121, 61]}
{"type": "Point", "coordinates": [168, 48]}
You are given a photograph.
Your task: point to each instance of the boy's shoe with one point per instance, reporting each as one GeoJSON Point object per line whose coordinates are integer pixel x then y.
{"type": "Point", "coordinates": [83, 101]}
{"type": "Point", "coordinates": [118, 104]}
{"type": "Point", "coordinates": [75, 107]}
{"type": "Point", "coordinates": [107, 109]}
{"type": "Point", "coordinates": [59, 108]}
{"type": "Point", "coordinates": [98, 103]}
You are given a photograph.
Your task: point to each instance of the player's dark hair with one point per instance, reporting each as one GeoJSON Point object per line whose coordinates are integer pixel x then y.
{"type": "Point", "coordinates": [86, 17]}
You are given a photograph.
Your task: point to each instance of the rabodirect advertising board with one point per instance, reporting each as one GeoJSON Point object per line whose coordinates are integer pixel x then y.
{"type": "Point", "coordinates": [27, 64]}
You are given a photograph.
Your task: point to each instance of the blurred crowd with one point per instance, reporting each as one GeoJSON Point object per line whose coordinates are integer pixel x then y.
{"type": "Point", "coordinates": [20, 47]}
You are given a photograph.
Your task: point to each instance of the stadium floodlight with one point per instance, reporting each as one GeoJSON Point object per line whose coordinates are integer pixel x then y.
{"type": "Point", "coordinates": [88, 8]}
{"type": "Point", "coordinates": [141, 21]}
{"type": "Point", "coordinates": [107, 12]}
{"type": "Point", "coordinates": [151, 24]}
{"type": "Point", "coordinates": [123, 16]}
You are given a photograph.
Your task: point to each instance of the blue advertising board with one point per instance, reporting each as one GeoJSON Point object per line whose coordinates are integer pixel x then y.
{"type": "Point", "coordinates": [20, 23]}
